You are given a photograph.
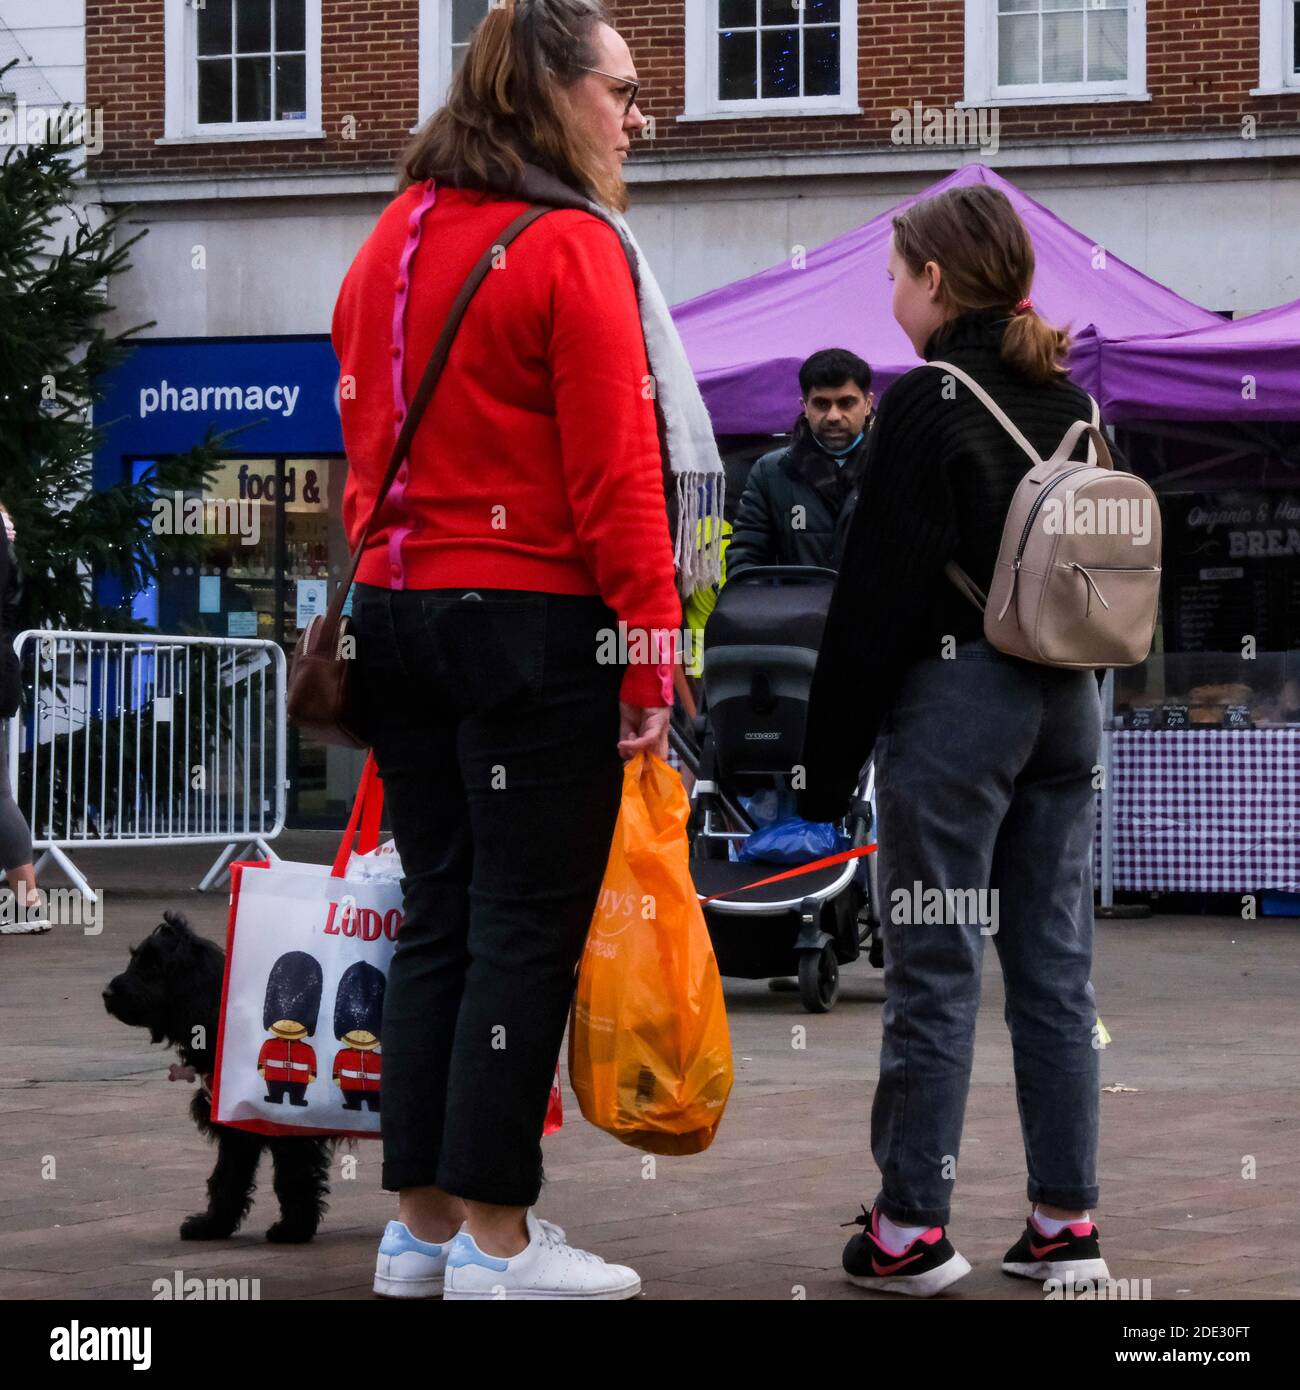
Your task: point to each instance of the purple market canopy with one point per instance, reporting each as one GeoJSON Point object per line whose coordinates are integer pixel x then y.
{"type": "Point", "coordinates": [1243, 370]}
{"type": "Point", "coordinates": [747, 340]}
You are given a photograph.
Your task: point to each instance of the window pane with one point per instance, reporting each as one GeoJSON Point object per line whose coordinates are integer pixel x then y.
{"type": "Point", "coordinates": [465, 15]}
{"type": "Point", "coordinates": [1107, 46]}
{"type": "Point", "coordinates": [1064, 4]}
{"type": "Point", "coordinates": [214, 27]}
{"type": "Point", "coordinates": [821, 11]}
{"type": "Point", "coordinates": [291, 89]}
{"type": "Point", "coordinates": [733, 14]}
{"type": "Point", "coordinates": [779, 12]}
{"type": "Point", "coordinates": [780, 63]}
{"type": "Point", "coordinates": [458, 56]}
{"type": "Point", "coordinates": [1295, 52]}
{"type": "Point", "coordinates": [214, 90]}
{"type": "Point", "coordinates": [1063, 47]}
{"type": "Point", "coordinates": [252, 89]}
{"type": "Point", "coordinates": [1017, 49]}
{"type": "Point", "coordinates": [821, 62]}
{"type": "Point", "coordinates": [737, 67]}
{"type": "Point", "coordinates": [253, 27]}
{"type": "Point", "coordinates": [1014, 6]}
{"type": "Point", "coordinates": [290, 25]}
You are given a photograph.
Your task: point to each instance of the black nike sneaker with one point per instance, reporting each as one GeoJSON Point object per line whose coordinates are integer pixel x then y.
{"type": "Point", "coordinates": [925, 1266]}
{"type": "Point", "coordinates": [1073, 1257]}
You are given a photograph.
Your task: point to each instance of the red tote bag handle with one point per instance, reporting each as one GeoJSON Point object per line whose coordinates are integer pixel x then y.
{"type": "Point", "coordinates": [367, 811]}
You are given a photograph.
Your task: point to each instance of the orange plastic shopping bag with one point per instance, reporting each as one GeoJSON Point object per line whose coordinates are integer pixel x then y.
{"type": "Point", "coordinates": [649, 1051]}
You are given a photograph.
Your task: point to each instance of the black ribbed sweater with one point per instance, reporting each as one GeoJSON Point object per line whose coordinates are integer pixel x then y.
{"type": "Point", "coordinates": [938, 481]}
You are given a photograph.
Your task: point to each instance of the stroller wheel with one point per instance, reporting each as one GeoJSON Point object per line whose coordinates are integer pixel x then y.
{"type": "Point", "coordinates": [819, 979]}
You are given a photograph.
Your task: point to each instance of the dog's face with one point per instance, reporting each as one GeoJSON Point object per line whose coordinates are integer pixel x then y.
{"type": "Point", "coordinates": [161, 973]}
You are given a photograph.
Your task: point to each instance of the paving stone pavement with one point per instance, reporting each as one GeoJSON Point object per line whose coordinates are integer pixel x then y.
{"type": "Point", "coordinates": [102, 1162]}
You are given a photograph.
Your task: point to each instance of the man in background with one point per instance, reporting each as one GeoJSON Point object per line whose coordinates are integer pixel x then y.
{"type": "Point", "coordinates": [791, 509]}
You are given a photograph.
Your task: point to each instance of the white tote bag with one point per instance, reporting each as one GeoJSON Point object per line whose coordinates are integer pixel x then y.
{"type": "Point", "coordinates": [307, 950]}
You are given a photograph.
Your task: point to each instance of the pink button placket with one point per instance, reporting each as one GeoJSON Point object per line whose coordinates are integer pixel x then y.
{"type": "Point", "coordinates": [397, 350]}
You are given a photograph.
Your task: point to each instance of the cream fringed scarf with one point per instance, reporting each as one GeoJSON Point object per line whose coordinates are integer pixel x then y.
{"type": "Point", "coordinates": [686, 441]}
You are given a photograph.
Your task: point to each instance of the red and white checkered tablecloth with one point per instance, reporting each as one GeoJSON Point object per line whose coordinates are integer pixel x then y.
{"type": "Point", "coordinates": [1206, 810]}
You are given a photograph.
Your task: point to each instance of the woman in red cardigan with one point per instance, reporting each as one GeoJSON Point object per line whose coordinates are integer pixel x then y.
{"type": "Point", "coordinates": [528, 521]}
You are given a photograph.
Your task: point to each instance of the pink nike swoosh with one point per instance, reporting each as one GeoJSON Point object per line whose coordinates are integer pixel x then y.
{"type": "Point", "coordinates": [1046, 1249]}
{"type": "Point", "coordinates": [877, 1268]}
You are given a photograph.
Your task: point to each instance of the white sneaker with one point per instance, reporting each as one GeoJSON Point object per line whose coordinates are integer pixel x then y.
{"type": "Point", "coordinates": [548, 1267]}
{"type": "Point", "coordinates": [25, 926]}
{"type": "Point", "coordinates": [409, 1268]}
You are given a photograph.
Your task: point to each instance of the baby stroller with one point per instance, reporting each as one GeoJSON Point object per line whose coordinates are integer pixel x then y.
{"type": "Point", "coordinates": [760, 648]}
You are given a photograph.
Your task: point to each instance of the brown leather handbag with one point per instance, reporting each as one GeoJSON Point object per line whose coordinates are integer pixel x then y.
{"type": "Point", "coordinates": [320, 695]}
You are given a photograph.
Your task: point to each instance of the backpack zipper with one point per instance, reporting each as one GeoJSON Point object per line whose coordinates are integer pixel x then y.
{"type": "Point", "coordinates": [1038, 502]}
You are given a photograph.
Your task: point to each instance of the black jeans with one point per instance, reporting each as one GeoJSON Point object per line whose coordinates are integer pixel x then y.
{"type": "Point", "coordinates": [496, 731]}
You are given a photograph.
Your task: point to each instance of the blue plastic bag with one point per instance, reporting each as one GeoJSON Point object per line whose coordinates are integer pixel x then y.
{"type": "Point", "coordinates": [792, 841]}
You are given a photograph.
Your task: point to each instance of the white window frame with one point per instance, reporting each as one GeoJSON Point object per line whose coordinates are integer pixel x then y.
{"type": "Point", "coordinates": [1276, 45]}
{"type": "Point", "coordinates": [180, 119]}
{"type": "Point", "coordinates": [983, 89]}
{"type": "Point", "coordinates": [434, 57]}
{"type": "Point", "coordinates": [702, 103]}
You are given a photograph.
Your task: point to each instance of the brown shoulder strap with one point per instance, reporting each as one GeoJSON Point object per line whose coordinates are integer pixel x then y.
{"type": "Point", "coordinates": [424, 393]}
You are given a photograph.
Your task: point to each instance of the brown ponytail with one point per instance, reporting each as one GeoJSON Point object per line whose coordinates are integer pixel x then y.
{"type": "Point", "coordinates": [980, 244]}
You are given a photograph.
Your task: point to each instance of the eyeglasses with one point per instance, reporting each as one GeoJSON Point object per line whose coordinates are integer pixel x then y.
{"type": "Point", "coordinates": [626, 81]}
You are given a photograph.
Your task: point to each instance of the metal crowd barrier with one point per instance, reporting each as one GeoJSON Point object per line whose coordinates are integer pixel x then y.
{"type": "Point", "coordinates": [146, 740]}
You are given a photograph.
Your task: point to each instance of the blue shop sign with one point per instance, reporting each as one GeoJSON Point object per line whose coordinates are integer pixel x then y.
{"type": "Point", "coordinates": [281, 394]}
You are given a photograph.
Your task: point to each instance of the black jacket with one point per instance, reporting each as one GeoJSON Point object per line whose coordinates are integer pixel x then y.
{"type": "Point", "coordinates": [768, 530]}
{"type": "Point", "coordinates": [938, 482]}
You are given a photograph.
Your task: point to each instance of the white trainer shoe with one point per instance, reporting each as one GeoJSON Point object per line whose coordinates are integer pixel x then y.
{"type": "Point", "coordinates": [548, 1267]}
{"type": "Point", "coordinates": [409, 1268]}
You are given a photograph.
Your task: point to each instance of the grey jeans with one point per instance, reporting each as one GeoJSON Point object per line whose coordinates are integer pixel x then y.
{"type": "Point", "coordinates": [15, 838]}
{"type": "Point", "coordinates": [984, 780]}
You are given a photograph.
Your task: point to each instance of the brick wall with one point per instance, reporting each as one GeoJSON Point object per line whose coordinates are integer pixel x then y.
{"type": "Point", "coordinates": [1202, 60]}
{"type": "Point", "coordinates": [369, 96]}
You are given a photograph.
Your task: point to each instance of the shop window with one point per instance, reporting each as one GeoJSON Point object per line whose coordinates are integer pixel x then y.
{"type": "Point", "coordinates": [1026, 51]}
{"type": "Point", "coordinates": [242, 68]}
{"type": "Point", "coordinates": [1279, 47]}
{"type": "Point", "coordinates": [273, 551]}
{"type": "Point", "coordinates": [770, 58]}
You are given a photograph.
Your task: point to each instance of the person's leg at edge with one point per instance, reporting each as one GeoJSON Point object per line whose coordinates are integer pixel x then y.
{"type": "Point", "coordinates": [15, 839]}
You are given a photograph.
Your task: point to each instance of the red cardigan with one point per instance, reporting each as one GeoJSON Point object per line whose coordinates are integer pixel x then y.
{"type": "Point", "coordinates": [536, 465]}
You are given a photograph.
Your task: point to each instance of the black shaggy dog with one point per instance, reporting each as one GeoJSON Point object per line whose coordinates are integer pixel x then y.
{"type": "Point", "coordinates": [172, 987]}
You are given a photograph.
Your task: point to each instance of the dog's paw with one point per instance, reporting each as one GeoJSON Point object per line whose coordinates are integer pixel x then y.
{"type": "Point", "coordinates": [203, 1226]}
{"type": "Point", "coordinates": [286, 1232]}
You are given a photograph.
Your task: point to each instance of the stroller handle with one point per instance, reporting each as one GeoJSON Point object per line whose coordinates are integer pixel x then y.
{"type": "Point", "coordinates": [804, 573]}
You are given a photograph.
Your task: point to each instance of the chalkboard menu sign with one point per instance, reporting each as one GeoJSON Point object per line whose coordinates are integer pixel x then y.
{"type": "Point", "coordinates": [1236, 717]}
{"type": "Point", "coordinates": [1231, 570]}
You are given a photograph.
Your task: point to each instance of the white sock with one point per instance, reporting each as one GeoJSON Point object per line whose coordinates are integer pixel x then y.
{"type": "Point", "coordinates": [895, 1238]}
{"type": "Point", "coordinates": [1050, 1226]}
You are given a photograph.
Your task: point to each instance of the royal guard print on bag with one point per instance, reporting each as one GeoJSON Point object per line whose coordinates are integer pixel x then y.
{"type": "Point", "coordinates": [292, 1006]}
{"type": "Point", "coordinates": [358, 1016]}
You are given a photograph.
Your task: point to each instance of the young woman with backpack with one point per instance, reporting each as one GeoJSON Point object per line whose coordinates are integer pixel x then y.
{"type": "Point", "coordinates": [984, 762]}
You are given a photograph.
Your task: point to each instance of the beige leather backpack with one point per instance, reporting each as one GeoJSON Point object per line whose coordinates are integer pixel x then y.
{"type": "Point", "coordinates": [1077, 581]}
